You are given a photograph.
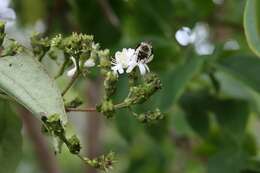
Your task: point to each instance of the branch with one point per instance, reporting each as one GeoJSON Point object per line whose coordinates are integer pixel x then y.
{"type": "Point", "coordinates": [81, 110]}
{"type": "Point", "coordinates": [109, 13]}
{"type": "Point", "coordinates": [73, 79]}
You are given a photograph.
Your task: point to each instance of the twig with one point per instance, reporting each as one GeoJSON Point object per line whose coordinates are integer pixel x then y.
{"type": "Point", "coordinates": [109, 13]}
{"type": "Point", "coordinates": [81, 110]}
{"type": "Point", "coordinates": [62, 69]}
{"type": "Point", "coordinates": [73, 79]}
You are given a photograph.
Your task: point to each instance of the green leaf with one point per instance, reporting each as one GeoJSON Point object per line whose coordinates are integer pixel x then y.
{"type": "Point", "coordinates": [227, 161]}
{"type": "Point", "coordinates": [25, 80]}
{"type": "Point", "coordinates": [10, 138]}
{"type": "Point", "coordinates": [195, 106]}
{"type": "Point", "coordinates": [175, 82]}
{"type": "Point", "coordinates": [245, 69]}
{"type": "Point", "coordinates": [232, 116]}
{"type": "Point", "coordinates": [251, 25]}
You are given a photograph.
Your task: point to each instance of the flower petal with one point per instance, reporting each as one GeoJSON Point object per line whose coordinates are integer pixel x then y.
{"type": "Point", "coordinates": [183, 36]}
{"type": "Point", "coordinates": [71, 72]}
{"type": "Point", "coordinates": [89, 63]}
{"type": "Point", "coordinates": [142, 68]}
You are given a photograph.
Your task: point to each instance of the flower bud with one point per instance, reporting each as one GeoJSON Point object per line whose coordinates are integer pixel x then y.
{"type": "Point", "coordinates": [104, 58]}
{"type": "Point", "coordinates": [139, 94]}
{"type": "Point", "coordinates": [74, 144]}
{"type": "Point", "coordinates": [110, 84]}
{"type": "Point", "coordinates": [150, 116]}
{"type": "Point", "coordinates": [104, 162]}
{"type": "Point", "coordinates": [2, 32]}
{"type": "Point", "coordinates": [107, 108]}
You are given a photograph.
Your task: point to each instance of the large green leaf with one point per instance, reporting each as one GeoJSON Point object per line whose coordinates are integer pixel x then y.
{"type": "Point", "coordinates": [251, 25]}
{"type": "Point", "coordinates": [245, 69]}
{"type": "Point", "coordinates": [10, 138]}
{"type": "Point", "coordinates": [25, 80]}
{"type": "Point", "coordinates": [177, 80]}
{"type": "Point", "coordinates": [232, 116]}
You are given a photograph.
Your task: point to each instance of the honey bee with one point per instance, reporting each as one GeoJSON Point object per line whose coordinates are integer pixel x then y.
{"type": "Point", "coordinates": [144, 52]}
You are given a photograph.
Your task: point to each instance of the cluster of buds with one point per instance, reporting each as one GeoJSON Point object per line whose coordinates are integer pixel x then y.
{"type": "Point", "coordinates": [40, 45]}
{"type": "Point", "coordinates": [137, 95]}
{"type": "Point", "coordinates": [2, 32]}
{"type": "Point", "coordinates": [104, 162]}
{"type": "Point", "coordinates": [12, 48]}
{"type": "Point", "coordinates": [150, 116]}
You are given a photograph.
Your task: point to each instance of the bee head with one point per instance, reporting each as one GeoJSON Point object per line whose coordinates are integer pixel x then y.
{"type": "Point", "coordinates": [146, 46]}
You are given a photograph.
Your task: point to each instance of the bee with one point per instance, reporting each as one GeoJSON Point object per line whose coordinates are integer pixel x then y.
{"type": "Point", "coordinates": [144, 52]}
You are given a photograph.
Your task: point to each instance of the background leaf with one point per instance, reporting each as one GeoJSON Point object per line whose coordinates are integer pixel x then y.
{"type": "Point", "coordinates": [10, 138]}
{"type": "Point", "coordinates": [244, 68]}
{"type": "Point", "coordinates": [24, 79]}
{"type": "Point", "coordinates": [251, 25]}
{"type": "Point", "coordinates": [176, 81]}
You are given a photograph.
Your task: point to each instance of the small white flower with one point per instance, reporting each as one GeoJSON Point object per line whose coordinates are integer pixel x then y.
{"type": "Point", "coordinates": [183, 36]}
{"type": "Point", "coordinates": [6, 14]}
{"type": "Point", "coordinates": [124, 60]}
{"type": "Point", "coordinates": [231, 45]}
{"type": "Point", "coordinates": [198, 37]}
{"type": "Point", "coordinates": [72, 71]}
{"type": "Point", "coordinates": [89, 63]}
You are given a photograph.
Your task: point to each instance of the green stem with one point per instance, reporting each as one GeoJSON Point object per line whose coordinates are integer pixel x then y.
{"type": "Point", "coordinates": [73, 79]}
{"type": "Point", "coordinates": [62, 69]}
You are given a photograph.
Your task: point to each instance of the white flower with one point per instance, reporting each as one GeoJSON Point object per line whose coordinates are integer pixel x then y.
{"type": "Point", "coordinates": [184, 36]}
{"type": "Point", "coordinates": [124, 60]}
{"type": "Point", "coordinates": [72, 71]}
{"type": "Point", "coordinates": [89, 63]}
{"type": "Point", "coordinates": [198, 37]}
{"type": "Point", "coordinates": [231, 45]}
{"type": "Point", "coordinates": [6, 14]}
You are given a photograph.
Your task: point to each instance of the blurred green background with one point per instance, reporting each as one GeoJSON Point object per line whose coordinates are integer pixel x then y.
{"type": "Point", "coordinates": [211, 102]}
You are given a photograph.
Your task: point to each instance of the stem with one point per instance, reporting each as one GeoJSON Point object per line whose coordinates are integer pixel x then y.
{"type": "Point", "coordinates": [41, 57]}
{"type": "Point", "coordinates": [81, 110]}
{"type": "Point", "coordinates": [73, 79]}
{"type": "Point", "coordinates": [62, 69]}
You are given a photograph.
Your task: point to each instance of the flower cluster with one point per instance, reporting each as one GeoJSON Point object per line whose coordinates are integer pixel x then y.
{"type": "Point", "coordinates": [198, 37]}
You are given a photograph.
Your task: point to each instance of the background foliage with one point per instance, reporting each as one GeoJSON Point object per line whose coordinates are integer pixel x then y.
{"type": "Point", "coordinates": [211, 102]}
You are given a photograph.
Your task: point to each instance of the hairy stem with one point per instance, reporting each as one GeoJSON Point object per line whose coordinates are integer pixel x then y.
{"type": "Point", "coordinates": [81, 110]}
{"type": "Point", "coordinates": [73, 79]}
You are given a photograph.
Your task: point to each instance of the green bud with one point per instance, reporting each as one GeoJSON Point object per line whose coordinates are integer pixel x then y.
{"type": "Point", "coordinates": [53, 124]}
{"type": "Point", "coordinates": [150, 116]}
{"type": "Point", "coordinates": [2, 32]}
{"type": "Point", "coordinates": [74, 144]}
{"type": "Point", "coordinates": [104, 162]}
{"type": "Point", "coordinates": [107, 108]}
{"type": "Point", "coordinates": [40, 45]}
{"type": "Point", "coordinates": [139, 94]}
{"type": "Point", "coordinates": [104, 59]}
{"type": "Point", "coordinates": [110, 84]}
{"type": "Point", "coordinates": [56, 41]}
{"type": "Point", "coordinates": [74, 103]}
{"type": "Point", "coordinates": [13, 49]}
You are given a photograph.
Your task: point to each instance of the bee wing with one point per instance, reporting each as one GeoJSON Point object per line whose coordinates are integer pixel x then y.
{"type": "Point", "coordinates": [149, 59]}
